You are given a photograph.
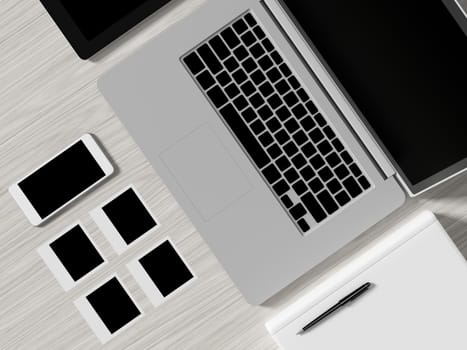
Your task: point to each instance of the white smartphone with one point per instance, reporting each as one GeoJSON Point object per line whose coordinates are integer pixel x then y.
{"type": "Point", "coordinates": [61, 179]}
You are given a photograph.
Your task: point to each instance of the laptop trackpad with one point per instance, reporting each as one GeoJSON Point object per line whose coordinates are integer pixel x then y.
{"type": "Point", "coordinates": [206, 172]}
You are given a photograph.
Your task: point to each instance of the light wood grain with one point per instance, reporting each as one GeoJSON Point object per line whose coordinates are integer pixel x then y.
{"type": "Point", "coordinates": [48, 98]}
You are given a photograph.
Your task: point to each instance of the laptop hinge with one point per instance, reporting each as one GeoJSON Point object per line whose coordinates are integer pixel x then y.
{"type": "Point", "coordinates": [317, 68]}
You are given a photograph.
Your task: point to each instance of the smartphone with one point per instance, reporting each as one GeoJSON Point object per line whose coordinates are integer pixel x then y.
{"type": "Point", "coordinates": [62, 179]}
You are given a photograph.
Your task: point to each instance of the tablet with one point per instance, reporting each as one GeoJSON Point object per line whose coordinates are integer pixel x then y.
{"type": "Point", "coordinates": [89, 25]}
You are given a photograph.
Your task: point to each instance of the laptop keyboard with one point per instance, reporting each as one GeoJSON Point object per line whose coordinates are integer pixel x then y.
{"type": "Point", "coordinates": [273, 118]}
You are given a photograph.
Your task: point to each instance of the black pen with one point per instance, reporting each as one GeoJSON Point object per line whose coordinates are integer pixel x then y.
{"type": "Point", "coordinates": [347, 299]}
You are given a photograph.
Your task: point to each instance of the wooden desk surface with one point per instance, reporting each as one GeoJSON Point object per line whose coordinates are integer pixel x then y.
{"type": "Point", "coordinates": [48, 98]}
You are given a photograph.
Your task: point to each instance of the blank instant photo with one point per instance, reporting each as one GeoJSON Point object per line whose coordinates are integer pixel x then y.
{"type": "Point", "coordinates": [161, 272]}
{"type": "Point", "coordinates": [71, 256]}
{"type": "Point", "coordinates": [124, 219]}
{"type": "Point", "coordinates": [109, 309]}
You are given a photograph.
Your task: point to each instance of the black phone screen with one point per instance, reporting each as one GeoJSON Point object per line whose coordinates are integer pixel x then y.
{"type": "Point", "coordinates": [62, 179]}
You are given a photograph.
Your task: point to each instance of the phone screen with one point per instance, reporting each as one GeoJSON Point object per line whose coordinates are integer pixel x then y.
{"type": "Point", "coordinates": [62, 179]}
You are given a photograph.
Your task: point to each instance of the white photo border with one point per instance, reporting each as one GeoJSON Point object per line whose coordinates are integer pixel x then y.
{"type": "Point", "coordinates": [108, 228]}
{"type": "Point", "coordinates": [54, 264]}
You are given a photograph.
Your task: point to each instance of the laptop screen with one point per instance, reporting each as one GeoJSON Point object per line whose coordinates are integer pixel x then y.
{"type": "Point", "coordinates": [403, 63]}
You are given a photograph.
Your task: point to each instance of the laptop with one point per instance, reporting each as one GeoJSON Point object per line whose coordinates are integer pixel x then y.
{"type": "Point", "coordinates": [285, 129]}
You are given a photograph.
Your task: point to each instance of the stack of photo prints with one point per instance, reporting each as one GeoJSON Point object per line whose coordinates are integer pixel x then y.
{"type": "Point", "coordinates": [72, 256]}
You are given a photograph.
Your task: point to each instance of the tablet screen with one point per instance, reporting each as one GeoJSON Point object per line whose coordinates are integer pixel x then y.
{"type": "Point", "coordinates": [403, 64]}
{"type": "Point", "coordinates": [92, 18]}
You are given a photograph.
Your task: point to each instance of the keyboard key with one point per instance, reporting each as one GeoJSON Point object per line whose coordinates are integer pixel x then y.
{"type": "Point", "coordinates": [266, 89]}
{"type": "Point", "coordinates": [325, 174]}
{"type": "Point", "coordinates": [308, 123]}
{"type": "Point", "coordinates": [325, 147]}
{"type": "Point", "coordinates": [240, 102]}
{"type": "Point", "coordinates": [266, 139]}
{"type": "Point", "coordinates": [355, 170]}
{"type": "Point", "coordinates": [259, 32]}
{"type": "Point", "coordinates": [334, 186]}
{"type": "Point", "coordinates": [333, 159]}
{"type": "Point", "coordinates": [342, 198]}
{"type": "Point", "coordinates": [311, 108]}
{"type": "Point", "coordinates": [194, 63]}
{"type": "Point", "coordinates": [303, 225]}
{"type": "Point", "coordinates": [282, 87]}
{"type": "Point", "coordinates": [299, 111]}
{"type": "Point", "coordinates": [232, 91]}
{"type": "Point", "coordinates": [239, 76]}
{"type": "Point", "coordinates": [338, 145]}
{"type": "Point", "coordinates": [285, 70]}
{"type": "Point", "coordinates": [320, 120]}
{"type": "Point", "coordinates": [265, 112]}
{"type": "Point", "coordinates": [265, 63]}
{"type": "Point", "coordinates": [294, 82]}
{"type": "Point", "coordinates": [291, 175]}
{"type": "Point", "coordinates": [267, 45]}
{"type": "Point", "coordinates": [249, 115]}
{"type": "Point", "coordinates": [291, 99]}
{"type": "Point", "coordinates": [249, 65]}
{"type": "Point", "coordinates": [230, 38]}
{"type": "Point", "coordinates": [307, 173]}
{"type": "Point", "coordinates": [256, 100]}
{"type": "Point", "coordinates": [364, 182]}
{"type": "Point", "coordinates": [316, 185]}
{"type": "Point", "coordinates": [241, 53]}
{"type": "Point", "coordinates": [274, 151]}
{"type": "Point", "coordinates": [248, 38]}
{"type": "Point", "coordinates": [313, 207]}
{"type": "Point", "coordinates": [316, 135]}
{"type": "Point", "coordinates": [347, 157]}
{"type": "Point", "coordinates": [302, 95]}
{"type": "Point", "coordinates": [291, 125]}
{"type": "Point", "coordinates": [299, 161]}
{"type": "Point", "coordinates": [273, 125]}
{"type": "Point", "coordinates": [274, 101]}
{"type": "Point", "coordinates": [282, 137]}
{"type": "Point", "coordinates": [219, 48]}
{"type": "Point", "coordinates": [329, 132]}
{"type": "Point", "coordinates": [217, 96]}
{"type": "Point", "coordinates": [257, 50]}
{"type": "Point", "coordinates": [240, 26]}
{"type": "Point", "coordinates": [287, 201]}
{"type": "Point", "coordinates": [327, 202]}
{"type": "Point", "coordinates": [300, 187]}
{"type": "Point", "coordinates": [231, 64]}
{"type": "Point", "coordinates": [223, 78]}
{"type": "Point", "coordinates": [342, 172]}
{"type": "Point", "coordinates": [276, 57]}
{"type": "Point", "coordinates": [317, 162]}
{"type": "Point", "coordinates": [258, 127]}
{"type": "Point", "coordinates": [309, 150]}
{"type": "Point", "coordinates": [298, 211]}
{"type": "Point", "coordinates": [258, 77]}
{"type": "Point", "coordinates": [281, 187]}
{"type": "Point", "coordinates": [250, 20]}
{"type": "Point", "coordinates": [271, 173]}
{"type": "Point", "coordinates": [248, 88]}
{"type": "Point", "coordinates": [300, 137]}
{"type": "Point", "coordinates": [352, 187]}
{"type": "Point", "coordinates": [208, 56]}
{"type": "Point", "coordinates": [274, 75]}
{"type": "Point", "coordinates": [283, 113]}
{"type": "Point", "coordinates": [283, 163]}
{"type": "Point", "coordinates": [206, 80]}
{"type": "Point", "coordinates": [244, 135]}
{"type": "Point", "coordinates": [290, 149]}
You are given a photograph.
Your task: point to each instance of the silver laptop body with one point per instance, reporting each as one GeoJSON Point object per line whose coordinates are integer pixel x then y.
{"type": "Point", "coordinates": [185, 128]}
